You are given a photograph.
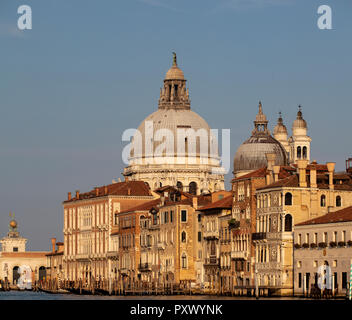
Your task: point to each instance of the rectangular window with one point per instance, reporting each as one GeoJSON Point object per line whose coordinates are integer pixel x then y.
{"type": "Point", "coordinates": [199, 217]}
{"type": "Point", "coordinates": [344, 280]}
{"type": "Point", "coordinates": [335, 236]}
{"type": "Point", "coordinates": [166, 217]}
{"type": "Point", "coordinates": [171, 216]}
{"type": "Point", "coordinates": [299, 239]}
{"type": "Point", "coordinates": [307, 237]}
{"type": "Point", "coordinates": [184, 215]}
{"type": "Point", "coordinates": [315, 237]}
{"type": "Point", "coordinates": [199, 236]}
{"type": "Point", "coordinates": [343, 236]}
{"type": "Point", "coordinates": [325, 237]}
{"type": "Point", "coordinates": [15, 249]}
{"type": "Point", "coordinates": [300, 280]}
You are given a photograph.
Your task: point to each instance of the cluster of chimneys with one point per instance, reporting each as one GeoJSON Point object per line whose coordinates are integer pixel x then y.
{"type": "Point", "coordinates": [273, 171]}
{"type": "Point", "coordinates": [166, 195]}
{"type": "Point", "coordinates": [96, 190]}
{"type": "Point", "coordinates": [59, 245]}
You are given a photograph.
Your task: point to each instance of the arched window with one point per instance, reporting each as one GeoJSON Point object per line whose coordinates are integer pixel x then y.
{"type": "Point", "coordinates": [323, 201]}
{"type": "Point", "coordinates": [338, 201]}
{"type": "Point", "coordinates": [288, 199]}
{"type": "Point", "coordinates": [304, 152]}
{"type": "Point", "coordinates": [184, 261]}
{"type": "Point", "coordinates": [299, 152]}
{"type": "Point", "coordinates": [42, 273]}
{"type": "Point", "coordinates": [193, 188]}
{"type": "Point", "coordinates": [15, 275]}
{"type": "Point", "coordinates": [288, 223]}
{"type": "Point", "coordinates": [183, 236]}
{"type": "Point", "coordinates": [179, 185]}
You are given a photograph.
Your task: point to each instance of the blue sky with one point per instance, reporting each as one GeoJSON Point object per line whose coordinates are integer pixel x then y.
{"type": "Point", "coordinates": [88, 70]}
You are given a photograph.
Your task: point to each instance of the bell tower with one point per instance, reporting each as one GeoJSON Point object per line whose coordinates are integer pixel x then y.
{"type": "Point", "coordinates": [300, 141]}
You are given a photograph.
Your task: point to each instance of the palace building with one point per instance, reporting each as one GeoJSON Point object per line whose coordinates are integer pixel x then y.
{"type": "Point", "coordinates": [89, 251]}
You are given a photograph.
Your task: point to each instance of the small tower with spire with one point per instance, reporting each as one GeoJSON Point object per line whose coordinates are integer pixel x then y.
{"type": "Point", "coordinates": [13, 242]}
{"type": "Point", "coordinates": [280, 133]}
{"type": "Point", "coordinates": [299, 141]}
{"type": "Point", "coordinates": [174, 94]}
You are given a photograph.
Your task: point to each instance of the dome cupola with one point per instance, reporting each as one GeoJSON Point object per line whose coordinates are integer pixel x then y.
{"type": "Point", "coordinates": [174, 94]}
{"type": "Point", "coordinates": [174, 145]}
{"type": "Point", "coordinates": [280, 128]}
{"type": "Point", "coordinates": [251, 155]}
{"type": "Point", "coordinates": [299, 126]}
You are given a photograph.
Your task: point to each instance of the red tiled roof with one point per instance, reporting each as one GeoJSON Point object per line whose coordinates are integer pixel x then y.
{"type": "Point", "coordinates": [125, 188]}
{"type": "Point", "coordinates": [342, 215]}
{"type": "Point", "coordinates": [285, 171]}
{"type": "Point", "coordinates": [143, 207]}
{"type": "Point", "coordinates": [259, 173]}
{"type": "Point", "coordinates": [27, 254]}
{"type": "Point", "coordinates": [225, 203]}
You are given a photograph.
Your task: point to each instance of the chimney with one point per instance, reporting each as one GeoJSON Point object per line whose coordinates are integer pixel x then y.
{"type": "Point", "coordinates": [270, 158]}
{"type": "Point", "coordinates": [77, 194]}
{"type": "Point", "coordinates": [96, 191]}
{"type": "Point", "coordinates": [162, 201]}
{"type": "Point", "coordinates": [276, 170]}
{"type": "Point", "coordinates": [331, 168]}
{"type": "Point", "coordinates": [195, 202]}
{"type": "Point", "coordinates": [53, 244]}
{"type": "Point", "coordinates": [69, 197]}
{"type": "Point", "coordinates": [129, 191]}
{"type": "Point", "coordinates": [105, 189]}
{"type": "Point", "coordinates": [302, 166]}
{"type": "Point", "coordinates": [313, 175]}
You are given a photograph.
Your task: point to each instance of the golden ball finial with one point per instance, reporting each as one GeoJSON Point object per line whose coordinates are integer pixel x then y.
{"type": "Point", "coordinates": [13, 224]}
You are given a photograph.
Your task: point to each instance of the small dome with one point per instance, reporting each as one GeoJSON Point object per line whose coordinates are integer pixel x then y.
{"type": "Point", "coordinates": [174, 73]}
{"type": "Point", "coordinates": [280, 128]}
{"type": "Point", "coordinates": [299, 122]}
{"type": "Point", "coordinates": [251, 155]}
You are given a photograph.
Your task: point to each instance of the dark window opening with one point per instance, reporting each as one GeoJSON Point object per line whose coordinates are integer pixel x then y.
{"type": "Point", "coordinates": [299, 152]}
{"type": "Point", "coordinates": [288, 199]}
{"type": "Point", "coordinates": [288, 223]}
{"type": "Point", "coordinates": [183, 215]}
{"type": "Point", "coordinates": [323, 201]}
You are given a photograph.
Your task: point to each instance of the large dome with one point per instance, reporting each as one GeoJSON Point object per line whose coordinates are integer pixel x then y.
{"type": "Point", "coordinates": [176, 121]}
{"type": "Point", "coordinates": [174, 145]}
{"type": "Point", "coordinates": [251, 155]}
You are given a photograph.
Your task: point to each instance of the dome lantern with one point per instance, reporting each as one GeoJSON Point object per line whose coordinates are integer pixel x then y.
{"type": "Point", "coordinates": [174, 93]}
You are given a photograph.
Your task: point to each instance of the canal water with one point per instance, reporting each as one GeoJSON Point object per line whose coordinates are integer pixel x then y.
{"type": "Point", "coordinates": [30, 295]}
